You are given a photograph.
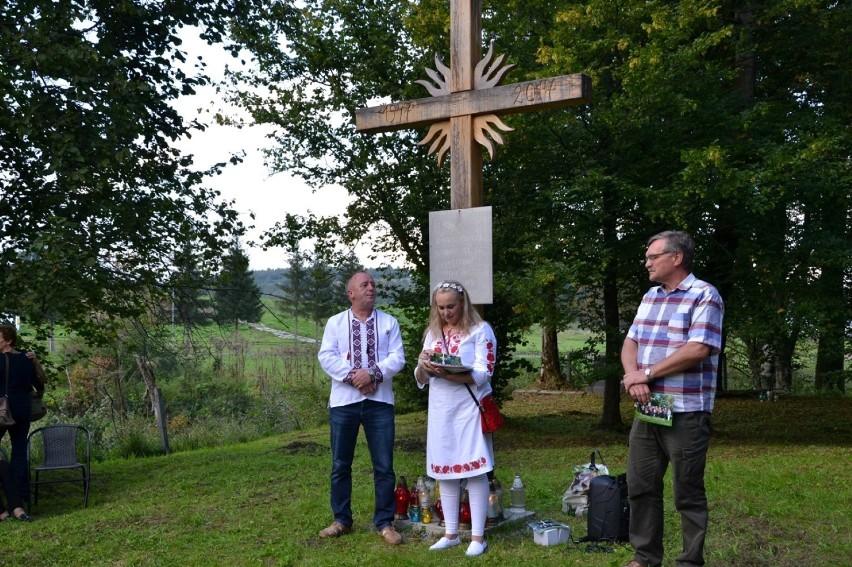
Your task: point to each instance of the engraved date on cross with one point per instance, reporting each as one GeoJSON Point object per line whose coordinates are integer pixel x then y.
{"type": "Point", "coordinates": [535, 91]}
{"type": "Point", "coordinates": [396, 113]}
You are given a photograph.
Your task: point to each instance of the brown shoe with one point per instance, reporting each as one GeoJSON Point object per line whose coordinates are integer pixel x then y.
{"type": "Point", "coordinates": [391, 535]}
{"type": "Point", "coordinates": [336, 529]}
{"type": "Point", "coordinates": [634, 563]}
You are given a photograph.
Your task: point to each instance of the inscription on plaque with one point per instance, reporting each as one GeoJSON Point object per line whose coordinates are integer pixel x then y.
{"type": "Point", "coordinates": [460, 249]}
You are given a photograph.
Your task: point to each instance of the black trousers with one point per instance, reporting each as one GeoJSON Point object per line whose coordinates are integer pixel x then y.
{"type": "Point", "coordinates": [10, 488]}
{"type": "Point", "coordinates": [18, 467]}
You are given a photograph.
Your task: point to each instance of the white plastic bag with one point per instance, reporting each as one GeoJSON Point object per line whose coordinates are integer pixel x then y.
{"type": "Point", "coordinates": [576, 498]}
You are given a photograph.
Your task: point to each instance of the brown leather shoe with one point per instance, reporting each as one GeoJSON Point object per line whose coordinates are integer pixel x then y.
{"type": "Point", "coordinates": [391, 535]}
{"type": "Point", "coordinates": [336, 529]}
{"type": "Point", "coordinates": [634, 563]}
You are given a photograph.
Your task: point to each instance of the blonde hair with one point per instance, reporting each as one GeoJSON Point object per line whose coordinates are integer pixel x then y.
{"type": "Point", "coordinates": [469, 315]}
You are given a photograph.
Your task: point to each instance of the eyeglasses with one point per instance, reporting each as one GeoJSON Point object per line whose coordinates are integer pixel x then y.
{"type": "Point", "coordinates": [653, 257]}
{"type": "Point", "coordinates": [450, 285]}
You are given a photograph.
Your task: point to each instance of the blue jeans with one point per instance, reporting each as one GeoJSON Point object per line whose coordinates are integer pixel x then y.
{"type": "Point", "coordinates": [377, 418]}
{"type": "Point", "coordinates": [652, 447]}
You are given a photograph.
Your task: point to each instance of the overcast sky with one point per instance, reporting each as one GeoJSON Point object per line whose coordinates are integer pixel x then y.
{"type": "Point", "coordinates": [255, 190]}
{"type": "Point", "coordinates": [250, 183]}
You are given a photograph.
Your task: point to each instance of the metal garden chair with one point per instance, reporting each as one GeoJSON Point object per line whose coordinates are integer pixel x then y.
{"type": "Point", "coordinates": [55, 448]}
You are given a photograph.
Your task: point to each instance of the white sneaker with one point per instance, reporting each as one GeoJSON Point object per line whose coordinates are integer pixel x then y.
{"type": "Point", "coordinates": [445, 543]}
{"type": "Point", "coordinates": [475, 548]}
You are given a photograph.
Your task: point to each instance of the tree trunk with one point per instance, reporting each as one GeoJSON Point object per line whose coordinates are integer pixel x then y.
{"type": "Point", "coordinates": [148, 379]}
{"type": "Point", "coordinates": [611, 418]}
{"type": "Point", "coordinates": [785, 348]}
{"type": "Point", "coordinates": [718, 269]}
{"type": "Point", "coordinates": [745, 63]}
{"type": "Point", "coordinates": [766, 379]}
{"type": "Point", "coordinates": [550, 376]}
{"type": "Point", "coordinates": [832, 322]}
{"type": "Point", "coordinates": [155, 396]}
{"type": "Point", "coordinates": [828, 374]}
{"type": "Point", "coordinates": [755, 356]}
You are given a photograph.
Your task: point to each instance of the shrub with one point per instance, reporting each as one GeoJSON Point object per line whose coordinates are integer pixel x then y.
{"type": "Point", "coordinates": [133, 442]}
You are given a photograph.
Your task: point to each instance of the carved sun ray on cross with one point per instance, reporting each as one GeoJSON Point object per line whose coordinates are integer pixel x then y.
{"type": "Point", "coordinates": [487, 74]}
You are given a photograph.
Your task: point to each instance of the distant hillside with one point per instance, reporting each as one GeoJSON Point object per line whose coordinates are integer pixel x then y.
{"type": "Point", "coordinates": [268, 280]}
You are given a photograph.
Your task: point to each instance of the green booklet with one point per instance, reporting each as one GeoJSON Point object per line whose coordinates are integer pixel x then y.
{"type": "Point", "coordinates": [445, 359]}
{"type": "Point", "coordinates": [659, 409]}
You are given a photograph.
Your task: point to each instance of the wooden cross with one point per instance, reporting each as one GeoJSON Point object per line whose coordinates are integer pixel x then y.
{"type": "Point", "coordinates": [466, 102]}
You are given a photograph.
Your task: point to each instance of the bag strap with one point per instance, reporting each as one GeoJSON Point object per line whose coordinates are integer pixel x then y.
{"type": "Point", "coordinates": [592, 459]}
{"type": "Point", "coordinates": [469, 391]}
{"type": "Point", "coordinates": [6, 356]}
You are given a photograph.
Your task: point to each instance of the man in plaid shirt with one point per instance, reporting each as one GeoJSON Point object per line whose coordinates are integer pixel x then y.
{"type": "Point", "coordinates": [670, 359]}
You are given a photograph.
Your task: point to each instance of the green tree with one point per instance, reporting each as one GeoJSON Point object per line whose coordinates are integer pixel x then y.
{"type": "Point", "coordinates": [653, 88]}
{"type": "Point", "coordinates": [727, 127]}
{"type": "Point", "coordinates": [700, 108]}
{"type": "Point", "coordinates": [95, 194]}
{"type": "Point", "coordinates": [329, 272]}
{"type": "Point", "coordinates": [295, 287]}
{"type": "Point", "coordinates": [190, 287]}
{"type": "Point", "coordinates": [319, 62]}
{"type": "Point", "coordinates": [322, 302]}
{"type": "Point", "coordinates": [346, 264]}
{"type": "Point", "coordinates": [237, 297]}
{"type": "Point", "coordinates": [782, 168]}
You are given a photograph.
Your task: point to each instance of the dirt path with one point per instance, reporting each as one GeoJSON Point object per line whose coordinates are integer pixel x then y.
{"type": "Point", "coordinates": [282, 334]}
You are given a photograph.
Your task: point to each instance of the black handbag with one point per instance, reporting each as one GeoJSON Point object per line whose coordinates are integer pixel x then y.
{"type": "Point", "coordinates": [38, 407]}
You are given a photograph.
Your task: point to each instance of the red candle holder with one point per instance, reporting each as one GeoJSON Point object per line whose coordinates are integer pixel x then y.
{"type": "Point", "coordinates": [403, 497]}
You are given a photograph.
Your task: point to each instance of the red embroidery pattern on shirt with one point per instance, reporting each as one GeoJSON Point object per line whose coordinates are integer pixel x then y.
{"type": "Point", "coordinates": [454, 341]}
{"type": "Point", "coordinates": [459, 467]}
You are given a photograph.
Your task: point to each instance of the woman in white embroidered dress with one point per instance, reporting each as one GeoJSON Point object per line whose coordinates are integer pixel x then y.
{"type": "Point", "coordinates": [456, 447]}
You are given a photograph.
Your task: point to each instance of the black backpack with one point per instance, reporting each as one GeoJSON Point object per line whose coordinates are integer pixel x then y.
{"type": "Point", "coordinates": [609, 511]}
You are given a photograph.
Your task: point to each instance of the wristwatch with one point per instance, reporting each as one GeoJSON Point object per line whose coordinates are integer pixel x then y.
{"type": "Point", "coordinates": [372, 375]}
{"type": "Point", "coordinates": [648, 376]}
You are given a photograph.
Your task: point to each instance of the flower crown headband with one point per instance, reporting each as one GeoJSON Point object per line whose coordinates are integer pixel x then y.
{"type": "Point", "coordinates": [450, 285]}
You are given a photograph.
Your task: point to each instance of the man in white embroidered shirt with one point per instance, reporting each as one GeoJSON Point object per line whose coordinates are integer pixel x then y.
{"type": "Point", "coordinates": [361, 352]}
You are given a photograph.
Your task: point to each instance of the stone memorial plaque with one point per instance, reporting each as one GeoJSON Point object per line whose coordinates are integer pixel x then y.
{"type": "Point", "coordinates": [460, 249]}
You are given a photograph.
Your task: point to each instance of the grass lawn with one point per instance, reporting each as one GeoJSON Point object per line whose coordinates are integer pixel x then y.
{"type": "Point", "coordinates": [568, 340]}
{"type": "Point", "coordinates": [778, 481]}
